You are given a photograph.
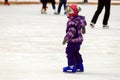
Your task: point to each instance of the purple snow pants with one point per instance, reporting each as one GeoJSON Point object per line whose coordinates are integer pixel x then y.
{"type": "Point", "coordinates": [73, 55]}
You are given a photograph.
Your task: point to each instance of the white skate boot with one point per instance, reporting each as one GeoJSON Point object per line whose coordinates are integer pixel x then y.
{"type": "Point", "coordinates": [43, 11]}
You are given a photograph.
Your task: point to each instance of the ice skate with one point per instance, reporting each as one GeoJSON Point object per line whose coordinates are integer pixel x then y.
{"type": "Point", "coordinates": [43, 11]}
{"type": "Point", "coordinates": [70, 69]}
{"type": "Point", "coordinates": [55, 12]}
{"type": "Point", "coordinates": [92, 25]}
{"type": "Point", "coordinates": [65, 13]}
{"type": "Point", "coordinates": [80, 68]}
{"type": "Point", "coordinates": [105, 26]}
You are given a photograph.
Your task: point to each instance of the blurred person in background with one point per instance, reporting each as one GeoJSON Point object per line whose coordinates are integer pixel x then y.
{"type": "Point", "coordinates": [44, 6]}
{"type": "Point", "coordinates": [6, 2]}
{"type": "Point", "coordinates": [101, 5]}
{"type": "Point", "coordinates": [61, 2]}
{"type": "Point", "coordinates": [85, 1]}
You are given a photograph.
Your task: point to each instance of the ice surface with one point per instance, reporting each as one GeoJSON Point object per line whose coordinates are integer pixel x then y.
{"type": "Point", "coordinates": [31, 45]}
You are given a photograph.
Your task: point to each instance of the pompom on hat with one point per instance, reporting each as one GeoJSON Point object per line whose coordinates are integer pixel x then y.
{"type": "Point", "coordinates": [72, 10]}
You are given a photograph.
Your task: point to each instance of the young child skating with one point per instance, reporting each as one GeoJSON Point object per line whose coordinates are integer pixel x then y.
{"type": "Point", "coordinates": [75, 28]}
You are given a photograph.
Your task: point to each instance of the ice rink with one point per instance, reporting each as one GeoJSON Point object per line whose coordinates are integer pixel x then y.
{"type": "Point", "coordinates": [31, 45]}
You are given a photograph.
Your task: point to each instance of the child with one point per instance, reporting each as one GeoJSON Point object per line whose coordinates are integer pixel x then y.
{"type": "Point", "coordinates": [75, 28]}
{"type": "Point", "coordinates": [44, 5]}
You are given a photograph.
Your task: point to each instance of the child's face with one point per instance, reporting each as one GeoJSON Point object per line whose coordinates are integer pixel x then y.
{"type": "Point", "coordinates": [72, 10]}
{"type": "Point", "coordinates": [68, 11]}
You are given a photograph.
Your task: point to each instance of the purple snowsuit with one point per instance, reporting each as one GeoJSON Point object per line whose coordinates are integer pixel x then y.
{"type": "Point", "coordinates": [74, 39]}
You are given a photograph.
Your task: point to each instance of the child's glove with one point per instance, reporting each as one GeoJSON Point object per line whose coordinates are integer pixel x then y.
{"type": "Point", "coordinates": [64, 41]}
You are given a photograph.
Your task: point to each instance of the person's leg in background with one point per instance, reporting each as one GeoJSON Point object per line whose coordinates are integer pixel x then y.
{"type": "Point", "coordinates": [59, 7]}
{"type": "Point", "coordinates": [97, 13]}
{"type": "Point", "coordinates": [6, 2]}
{"type": "Point", "coordinates": [44, 7]}
{"type": "Point", "coordinates": [107, 13]}
{"type": "Point", "coordinates": [54, 7]}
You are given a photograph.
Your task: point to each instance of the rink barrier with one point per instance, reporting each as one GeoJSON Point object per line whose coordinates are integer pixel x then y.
{"type": "Point", "coordinates": [32, 2]}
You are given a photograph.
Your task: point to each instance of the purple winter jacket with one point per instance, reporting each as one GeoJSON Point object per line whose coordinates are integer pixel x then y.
{"type": "Point", "coordinates": [73, 30]}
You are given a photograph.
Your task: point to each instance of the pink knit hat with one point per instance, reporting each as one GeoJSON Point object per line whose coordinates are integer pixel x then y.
{"type": "Point", "coordinates": [72, 10]}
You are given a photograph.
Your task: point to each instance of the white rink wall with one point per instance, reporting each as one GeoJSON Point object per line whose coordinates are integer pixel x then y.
{"type": "Point", "coordinates": [39, 0]}
{"type": "Point", "coordinates": [31, 0]}
{"type": "Point", "coordinates": [113, 1]}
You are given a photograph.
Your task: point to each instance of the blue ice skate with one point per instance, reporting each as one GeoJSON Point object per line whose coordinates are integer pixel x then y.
{"type": "Point", "coordinates": [80, 68]}
{"type": "Point", "coordinates": [69, 69]}
{"type": "Point", "coordinates": [65, 13]}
